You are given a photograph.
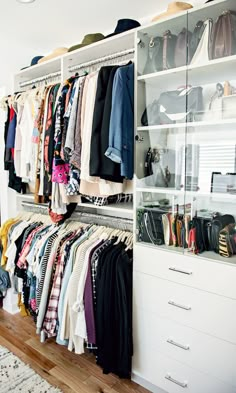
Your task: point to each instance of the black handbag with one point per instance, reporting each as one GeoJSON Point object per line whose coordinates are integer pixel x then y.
{"type": "Point", "coordinates": [180, 105]}
{"type": "Point", "coordinates": [151, 227]}
{"type": "Point", "coordinates": [154, 58]}
{"type": "Point", "coordinates": [195, 38]}
{"type": "Point", "coordinates": [150, 115]}
{"type": "Point", "coordinates": [169, 44]}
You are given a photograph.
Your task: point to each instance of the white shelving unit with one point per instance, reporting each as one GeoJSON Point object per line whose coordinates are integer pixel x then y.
{"type": "Point", "coordinates": [62, 68]}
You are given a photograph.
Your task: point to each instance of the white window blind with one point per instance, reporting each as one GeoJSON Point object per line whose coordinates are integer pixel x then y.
{"type": "Point", "coordinates": [215, 158]}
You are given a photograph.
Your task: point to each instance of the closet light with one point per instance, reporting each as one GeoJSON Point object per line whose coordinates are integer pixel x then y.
{"type": "Point", "coordinates": [25, 1]}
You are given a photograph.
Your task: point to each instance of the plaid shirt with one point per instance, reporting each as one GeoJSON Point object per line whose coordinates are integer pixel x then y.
{"type": "Point", "coordinates": [50, 319]}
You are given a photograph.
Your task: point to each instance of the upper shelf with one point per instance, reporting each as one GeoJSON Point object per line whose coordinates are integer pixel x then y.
{"type": "Point", "coordinates": [108, 46]}
{"type": "Point", "coordinates": [178, 21]}
{"type": "Point", "coordinates": [205, 73]}
{"type": "Point", "coordinates": [226, 123]}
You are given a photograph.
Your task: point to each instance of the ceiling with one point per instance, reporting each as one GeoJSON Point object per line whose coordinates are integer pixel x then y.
{"type": "Point", "coordinates": [33, 29]}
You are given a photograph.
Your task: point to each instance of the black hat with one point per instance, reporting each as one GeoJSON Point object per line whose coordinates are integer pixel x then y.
{"type": "Point", "coordinates": [124, 25]}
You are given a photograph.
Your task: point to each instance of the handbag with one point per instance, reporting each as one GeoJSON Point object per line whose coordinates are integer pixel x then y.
{"type": "Point", "coordinates": [169, 44]}
{"type": "Point", "coordinates": [227, 241]}
{"type": "Point", "coordinates": [195, 38]}
{"type": "Point", "coordinates": [181, 48]}
{"type": "Point", "coordinates": [150, 115]}
{"type": "Point", "coordinates": [223, 39]}
{"type": "Point", "coordinates": [166, 222]}
{"type": "Point", "coordinates": [180, 105]}
{"type": "Point", "coordinates": [201, 52]}
{"type": "Point", "coordinates": [151, 227]}
{"type": "Point", "coordinates": [215, 226]}
{"type": "Point", "coordinates": [154, 58]}
{"type": "Point", "coordinates": [215, 109]}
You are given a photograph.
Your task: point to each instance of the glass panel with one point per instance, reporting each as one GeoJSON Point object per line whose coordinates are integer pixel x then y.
{"type": "Point", "coordinates": [159, 220]}
{"type": "Point", "coordinates": [161, 133]}
{"type": "Point", "coordinates": [211, 145]}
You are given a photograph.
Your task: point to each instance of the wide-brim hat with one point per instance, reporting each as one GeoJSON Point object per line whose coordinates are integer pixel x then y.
{"type": "Point", "coordinates": [124, 25]}
{"type": "Point", "coordinates": [173, 8]}
{"type": "Point", "coordinates": [57, 52]}
{"type": "Point", "coordinates": [87, 40]}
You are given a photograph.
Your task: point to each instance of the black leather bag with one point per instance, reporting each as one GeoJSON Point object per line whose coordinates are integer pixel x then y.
{"type": "Point", "coordinates": [180, 105]}
{"type": "Point", "coordinates": [195, 38]}
{"type": "Point", "coordinates": [150, 115]}
{"type": "Point", "coordinates": [217, 224]}
{"type": "Point", "coordinates": [154, 58]}
{"type": "Point", "coordinates": [151, 227]}
{"type": "Point", "coordinates": [181, 48]}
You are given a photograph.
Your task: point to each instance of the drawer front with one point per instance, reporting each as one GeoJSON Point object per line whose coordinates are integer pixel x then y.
{"type": "Point", "coordinates": [195, 272]}
{"type": "Point", "coordinates": [206, 312]}
{"type": "Point", "coordinates": [175, 377]}
{"type": "Point", "coordinates": [195, 349]}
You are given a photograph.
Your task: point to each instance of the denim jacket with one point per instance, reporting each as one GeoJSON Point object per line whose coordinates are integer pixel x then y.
{"type": "Point", "coordinates": [121, 131]}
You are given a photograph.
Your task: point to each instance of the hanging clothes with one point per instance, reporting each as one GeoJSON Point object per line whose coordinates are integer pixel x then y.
{"type": "Point", "coordinates": [76, 282]}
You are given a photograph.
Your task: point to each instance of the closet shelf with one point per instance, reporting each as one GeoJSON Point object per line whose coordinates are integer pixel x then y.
{"type": "Point", "coordinates": [208, 72]}
{"type": "Point", "coordinates": [116, 207]}
{"type": "Point", "coordinates": [200, 124]}
{"type": "Point", "coordinates": [172, 191]}
{"type": "Point", "coordinates": [209, 255]}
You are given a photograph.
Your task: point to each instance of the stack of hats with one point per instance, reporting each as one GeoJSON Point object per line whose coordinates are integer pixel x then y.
{"type": "Point", "coordinates": [122, 26]}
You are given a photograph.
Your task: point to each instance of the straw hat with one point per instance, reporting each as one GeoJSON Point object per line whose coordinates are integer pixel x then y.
{"type": "Point", "coordinates": [57, 52]}
{"type": "Point", "coordinates": [173, 8]}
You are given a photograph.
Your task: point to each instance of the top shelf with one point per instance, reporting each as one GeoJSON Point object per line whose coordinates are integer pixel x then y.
{"type": "Point", "coordinates": [97, 50]}
{"type": "Point", "coordinates": [175, 22]}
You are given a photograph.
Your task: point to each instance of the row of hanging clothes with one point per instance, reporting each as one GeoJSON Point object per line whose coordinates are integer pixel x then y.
{"type": "Point", "coordinates": [75, 279]}
{"type": "Point", "coordinates": [73, 142]}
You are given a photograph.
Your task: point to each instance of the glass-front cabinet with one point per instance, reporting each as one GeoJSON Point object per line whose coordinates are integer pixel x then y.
{"type": "Point", "coordinates": [186, 133]}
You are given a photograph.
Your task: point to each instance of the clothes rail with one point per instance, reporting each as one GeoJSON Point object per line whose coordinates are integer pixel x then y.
{"type": "Point", "coordinates": [102, 59]}
{"type": "Point", "coordinates": [125, 224]}
{"type": "Point", "coordinates": [40, 79]}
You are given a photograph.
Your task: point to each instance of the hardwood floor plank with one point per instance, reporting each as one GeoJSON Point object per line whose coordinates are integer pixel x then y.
{"type": "Point", "coordinates": [27, 360]}
{"type": "Point", "coordinates": [32, 353]}
{"type": "Point", "coordinates": [64, 360]}
{"type": "Point", "coordinates": [70, 372]}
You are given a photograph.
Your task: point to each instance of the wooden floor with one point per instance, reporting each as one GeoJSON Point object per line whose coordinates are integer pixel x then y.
{"type": "Point", "coordinates": [61, 368]}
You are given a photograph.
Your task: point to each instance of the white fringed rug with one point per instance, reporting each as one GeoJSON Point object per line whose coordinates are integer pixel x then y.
{"type": "Point", "coordinates": [17, 377]}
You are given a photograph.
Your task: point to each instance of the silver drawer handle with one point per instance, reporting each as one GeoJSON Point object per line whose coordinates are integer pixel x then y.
{"type": "Point", "coordinates": [174, 269]}
{"type": "Point", "coordinates": [185, 347]}
{"type": "Point", "coordinates": [182, 384]}
{"type": "Point", "coordinates": [172, 303]}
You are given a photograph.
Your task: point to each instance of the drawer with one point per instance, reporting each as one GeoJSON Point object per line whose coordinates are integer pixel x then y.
{"type": "Point", "coordinates": [195, 272]}
{"type": "Point", "coordinates": [195, 349]}
{"type": "Point", "coordinates": [206, 312]}
{"type": "Point", "coordinates": [175, 377]}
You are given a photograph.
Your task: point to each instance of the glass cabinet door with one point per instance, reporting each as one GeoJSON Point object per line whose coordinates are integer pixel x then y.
{"type": "Point", "coordinates": [186, 136]}
{"type": "Point", "coordinates": [160, 134]}
{"type": "Point", "coordinates": [211, 145]}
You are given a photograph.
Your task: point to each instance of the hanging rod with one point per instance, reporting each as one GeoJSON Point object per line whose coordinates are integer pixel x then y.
{"type": "Point", "coordinates": [102, 59]}
{"type": "Point", "coordinates": [87, 218]}
{"type": "Point", "coordinates": [40, 79]}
